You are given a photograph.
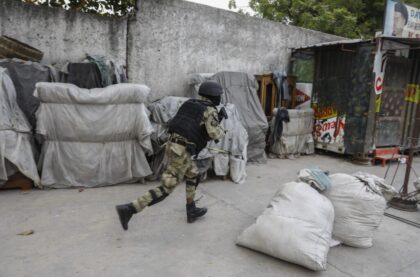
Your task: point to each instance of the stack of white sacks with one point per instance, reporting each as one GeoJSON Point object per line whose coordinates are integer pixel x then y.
{"type": "Point", "coordinates": [296, 137]}
{"type": "Point", "coordinates": [94, 137]}
{"type": "Point", "coordinates": [305, 217]}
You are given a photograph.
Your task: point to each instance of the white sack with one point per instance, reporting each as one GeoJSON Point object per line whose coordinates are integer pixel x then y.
{"type": "Point", "coordinates": [377, 184]}
{"type": "Point", "coordinates": [93, 137]}
{"type": "Point", "coordinates": [295, 227]}
{"type": "Point", "coordinates": [358, 210]}
{"type": "Point", "coordinates": [237, 167]}
{"type": "Point", "coordinates": [221, 164]}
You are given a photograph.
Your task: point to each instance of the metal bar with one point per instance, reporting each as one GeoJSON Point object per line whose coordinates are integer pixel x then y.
{"type": "Point", "coordinates": [415, 224]}
{"type": "Point", "coordinates": [408, 168]}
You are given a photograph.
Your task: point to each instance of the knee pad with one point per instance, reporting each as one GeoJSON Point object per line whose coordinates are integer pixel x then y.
{"type": "Point", "coordinates": [155, 198]}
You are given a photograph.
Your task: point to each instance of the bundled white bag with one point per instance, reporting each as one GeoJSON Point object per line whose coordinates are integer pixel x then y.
{"type": "Point", "coordinates": [94, 137]}
{"type": "Point", "coordinates": [295, 227]}
{"type": "Point", "coordinates": [237, 169]}
{"type": "Point", "coordinates": [358, 209]}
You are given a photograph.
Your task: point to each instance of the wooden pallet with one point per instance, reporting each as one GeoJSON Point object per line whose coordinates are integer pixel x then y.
{"type": "Point", "coordinates": [19, 181]}
{"type": "Point", "coordinates": [388, 154]}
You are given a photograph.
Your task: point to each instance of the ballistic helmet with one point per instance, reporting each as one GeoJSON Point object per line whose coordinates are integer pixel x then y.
{"type": "Point", "coordinates": [210, 88]}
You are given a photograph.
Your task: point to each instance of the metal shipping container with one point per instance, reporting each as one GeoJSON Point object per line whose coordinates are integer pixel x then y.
{"type": "Point", "coordinates": [365, 92]}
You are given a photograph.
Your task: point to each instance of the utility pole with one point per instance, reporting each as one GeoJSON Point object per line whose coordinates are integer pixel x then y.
{"type": "Point", "coordinates": [413, 144]}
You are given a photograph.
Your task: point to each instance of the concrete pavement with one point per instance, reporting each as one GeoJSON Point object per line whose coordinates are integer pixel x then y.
{"type": "Point", "coordinates": [78, 233]}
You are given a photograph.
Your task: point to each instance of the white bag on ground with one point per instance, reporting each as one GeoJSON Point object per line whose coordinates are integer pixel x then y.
{"type": "Point", "coordinates": [237, 169]}
{"type": "Point", "coordinates": [358, 210]}
{"type": "Point", "coordinates": [295, 227]}
{"type": "Point", "coordinates": [221, 164]}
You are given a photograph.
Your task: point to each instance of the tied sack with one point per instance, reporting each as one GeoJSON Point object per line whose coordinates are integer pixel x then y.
{"type": "Point", "coordinates": [359, 209]}
{"type": "Point", "coordinates": [295, 227]}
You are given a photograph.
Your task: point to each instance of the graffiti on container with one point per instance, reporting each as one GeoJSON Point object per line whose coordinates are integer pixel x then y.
{"type": "Point", "coordinates": [329, 127]}
{"type": "Point", "coordinates": [412, 93]}
{"type": "Point", "coordinates": [303, 95]}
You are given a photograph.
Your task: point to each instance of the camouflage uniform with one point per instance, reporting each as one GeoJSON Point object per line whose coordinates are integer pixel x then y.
{"type": "Point", "coordinates": [180, 163]}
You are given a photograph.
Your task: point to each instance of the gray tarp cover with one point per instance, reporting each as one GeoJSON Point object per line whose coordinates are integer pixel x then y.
{"type": "Point", "coordinates": [16, 148]}
{"type": "Point", "coordinates": [161, 112]}
{"type": "Point", "coordinates": [240, 89]}
{"type": "Point", "coordinates": [93, 137]}
{"type": "Point", "coordinates": [25, 75]}
{"type": "Point", "coordinates": [235, 140]}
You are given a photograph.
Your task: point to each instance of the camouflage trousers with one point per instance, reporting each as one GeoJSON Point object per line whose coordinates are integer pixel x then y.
{"type": "Point", "coordinates": [179, 165]}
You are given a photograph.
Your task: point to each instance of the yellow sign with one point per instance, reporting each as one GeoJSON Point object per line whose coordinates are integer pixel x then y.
{"type": "Point", "coordinates": [324, 112]}
{"type": "Point", "coordinates": [412, 93]}
{"type": "Point", "coordinates": [378, 103]}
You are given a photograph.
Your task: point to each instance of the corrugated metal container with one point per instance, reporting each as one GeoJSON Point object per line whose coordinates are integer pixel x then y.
{"type": "Point", "coordinates": [356, 108]}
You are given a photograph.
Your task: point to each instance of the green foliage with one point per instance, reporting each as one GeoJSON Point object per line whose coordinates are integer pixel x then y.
{"type": "Point", "coordinates": [103, 7]}
{"type": "Point", "coordinates": [347, 18]}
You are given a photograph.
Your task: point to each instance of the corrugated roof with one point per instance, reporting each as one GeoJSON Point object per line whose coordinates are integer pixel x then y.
{"type": "Point", "coordinates": [329, 43]}
{"type": "Point", "coordinates": [409, 41]}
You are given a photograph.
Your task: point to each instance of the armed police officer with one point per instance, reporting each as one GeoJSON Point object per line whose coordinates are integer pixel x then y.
{"type": "Point", "coordinates": [196, 123]}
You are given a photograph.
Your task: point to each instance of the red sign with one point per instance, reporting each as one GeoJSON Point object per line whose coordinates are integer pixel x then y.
{"type": "Point", "coordinates": [379, 83]}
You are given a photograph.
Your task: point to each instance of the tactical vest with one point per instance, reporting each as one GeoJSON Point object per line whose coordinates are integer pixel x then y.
{"type": "Point", "coordinates": [187, 123]}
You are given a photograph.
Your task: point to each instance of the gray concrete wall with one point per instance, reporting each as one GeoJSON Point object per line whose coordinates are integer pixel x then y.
{"type": "Point", "coordinates": [170, 39]}
{"type": "Point", "coordinates": [62, 35]}
{"type": "Point", "coordinates": [167, 40]}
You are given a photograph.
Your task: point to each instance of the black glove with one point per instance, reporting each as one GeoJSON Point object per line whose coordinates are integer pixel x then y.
{"type": "Point", "coordinates": [222, 114]}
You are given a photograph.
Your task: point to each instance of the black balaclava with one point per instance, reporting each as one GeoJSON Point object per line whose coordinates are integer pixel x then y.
{"type": "Point", "coordinates": [214, 99]}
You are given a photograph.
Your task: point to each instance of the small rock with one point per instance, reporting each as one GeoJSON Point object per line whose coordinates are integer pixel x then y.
{"type": "Point", "coordinates": [26, 233]}
{"type": "Point", "coordinates": [80, 190]}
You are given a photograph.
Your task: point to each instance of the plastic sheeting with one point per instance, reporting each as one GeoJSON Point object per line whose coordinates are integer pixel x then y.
{"type": "Point", "coordinates": [166, 108]}
{"type": "Point", "coordinates": [83, 75]}
{"type": "Point", "coordinates": [240, 89]}
{"type": "Point", "coordinates": [161, 111]}
{"type": "Point", "coordinates": [25, 75]}
{"type": "Point", "coordinates": [235, 141]}
{"type": "Point", "coordinates": [96, 71]}
{"type": "Point", "coordinates": [93, 137]}
{"type": "Point", "coordinates": [195, 81]}
{"type": "Point", "coordinates": [295, 227]}
{"type": "Point", "coordinates": [297, 136]}
{"type": "Point", "coordinates": [16, 147]}
{"type": "Point", "coordinates": [315, 177]}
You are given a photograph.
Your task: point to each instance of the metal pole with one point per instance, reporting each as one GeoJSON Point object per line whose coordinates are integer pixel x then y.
{"type": "Point", "coordinates": [413, 144]}
{"type": "Point", "coordinates": [413, 141]}
{"type": "Point", "coordinates": [408, 168]}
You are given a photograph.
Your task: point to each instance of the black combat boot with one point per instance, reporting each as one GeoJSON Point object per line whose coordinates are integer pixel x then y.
{"type": "Point", "coordinates": [125, 212]}
{"type": "Point", "coordinates": [193, 212]}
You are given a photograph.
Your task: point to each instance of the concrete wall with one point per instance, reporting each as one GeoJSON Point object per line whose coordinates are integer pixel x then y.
{"type": "Point", "coordinates": [167, 40]}
{"type": "Point", "coordinates": [170, 39]}
{"type": "Point", "coordinates": [62, 35]}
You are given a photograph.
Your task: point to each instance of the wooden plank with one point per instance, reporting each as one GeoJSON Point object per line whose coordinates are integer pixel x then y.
{"type": "Point", "coordinates": [18, 180]}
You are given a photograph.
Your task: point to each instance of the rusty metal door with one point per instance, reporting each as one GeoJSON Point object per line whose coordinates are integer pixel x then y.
{"type": "Point", "coordinates": [390, 120]}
